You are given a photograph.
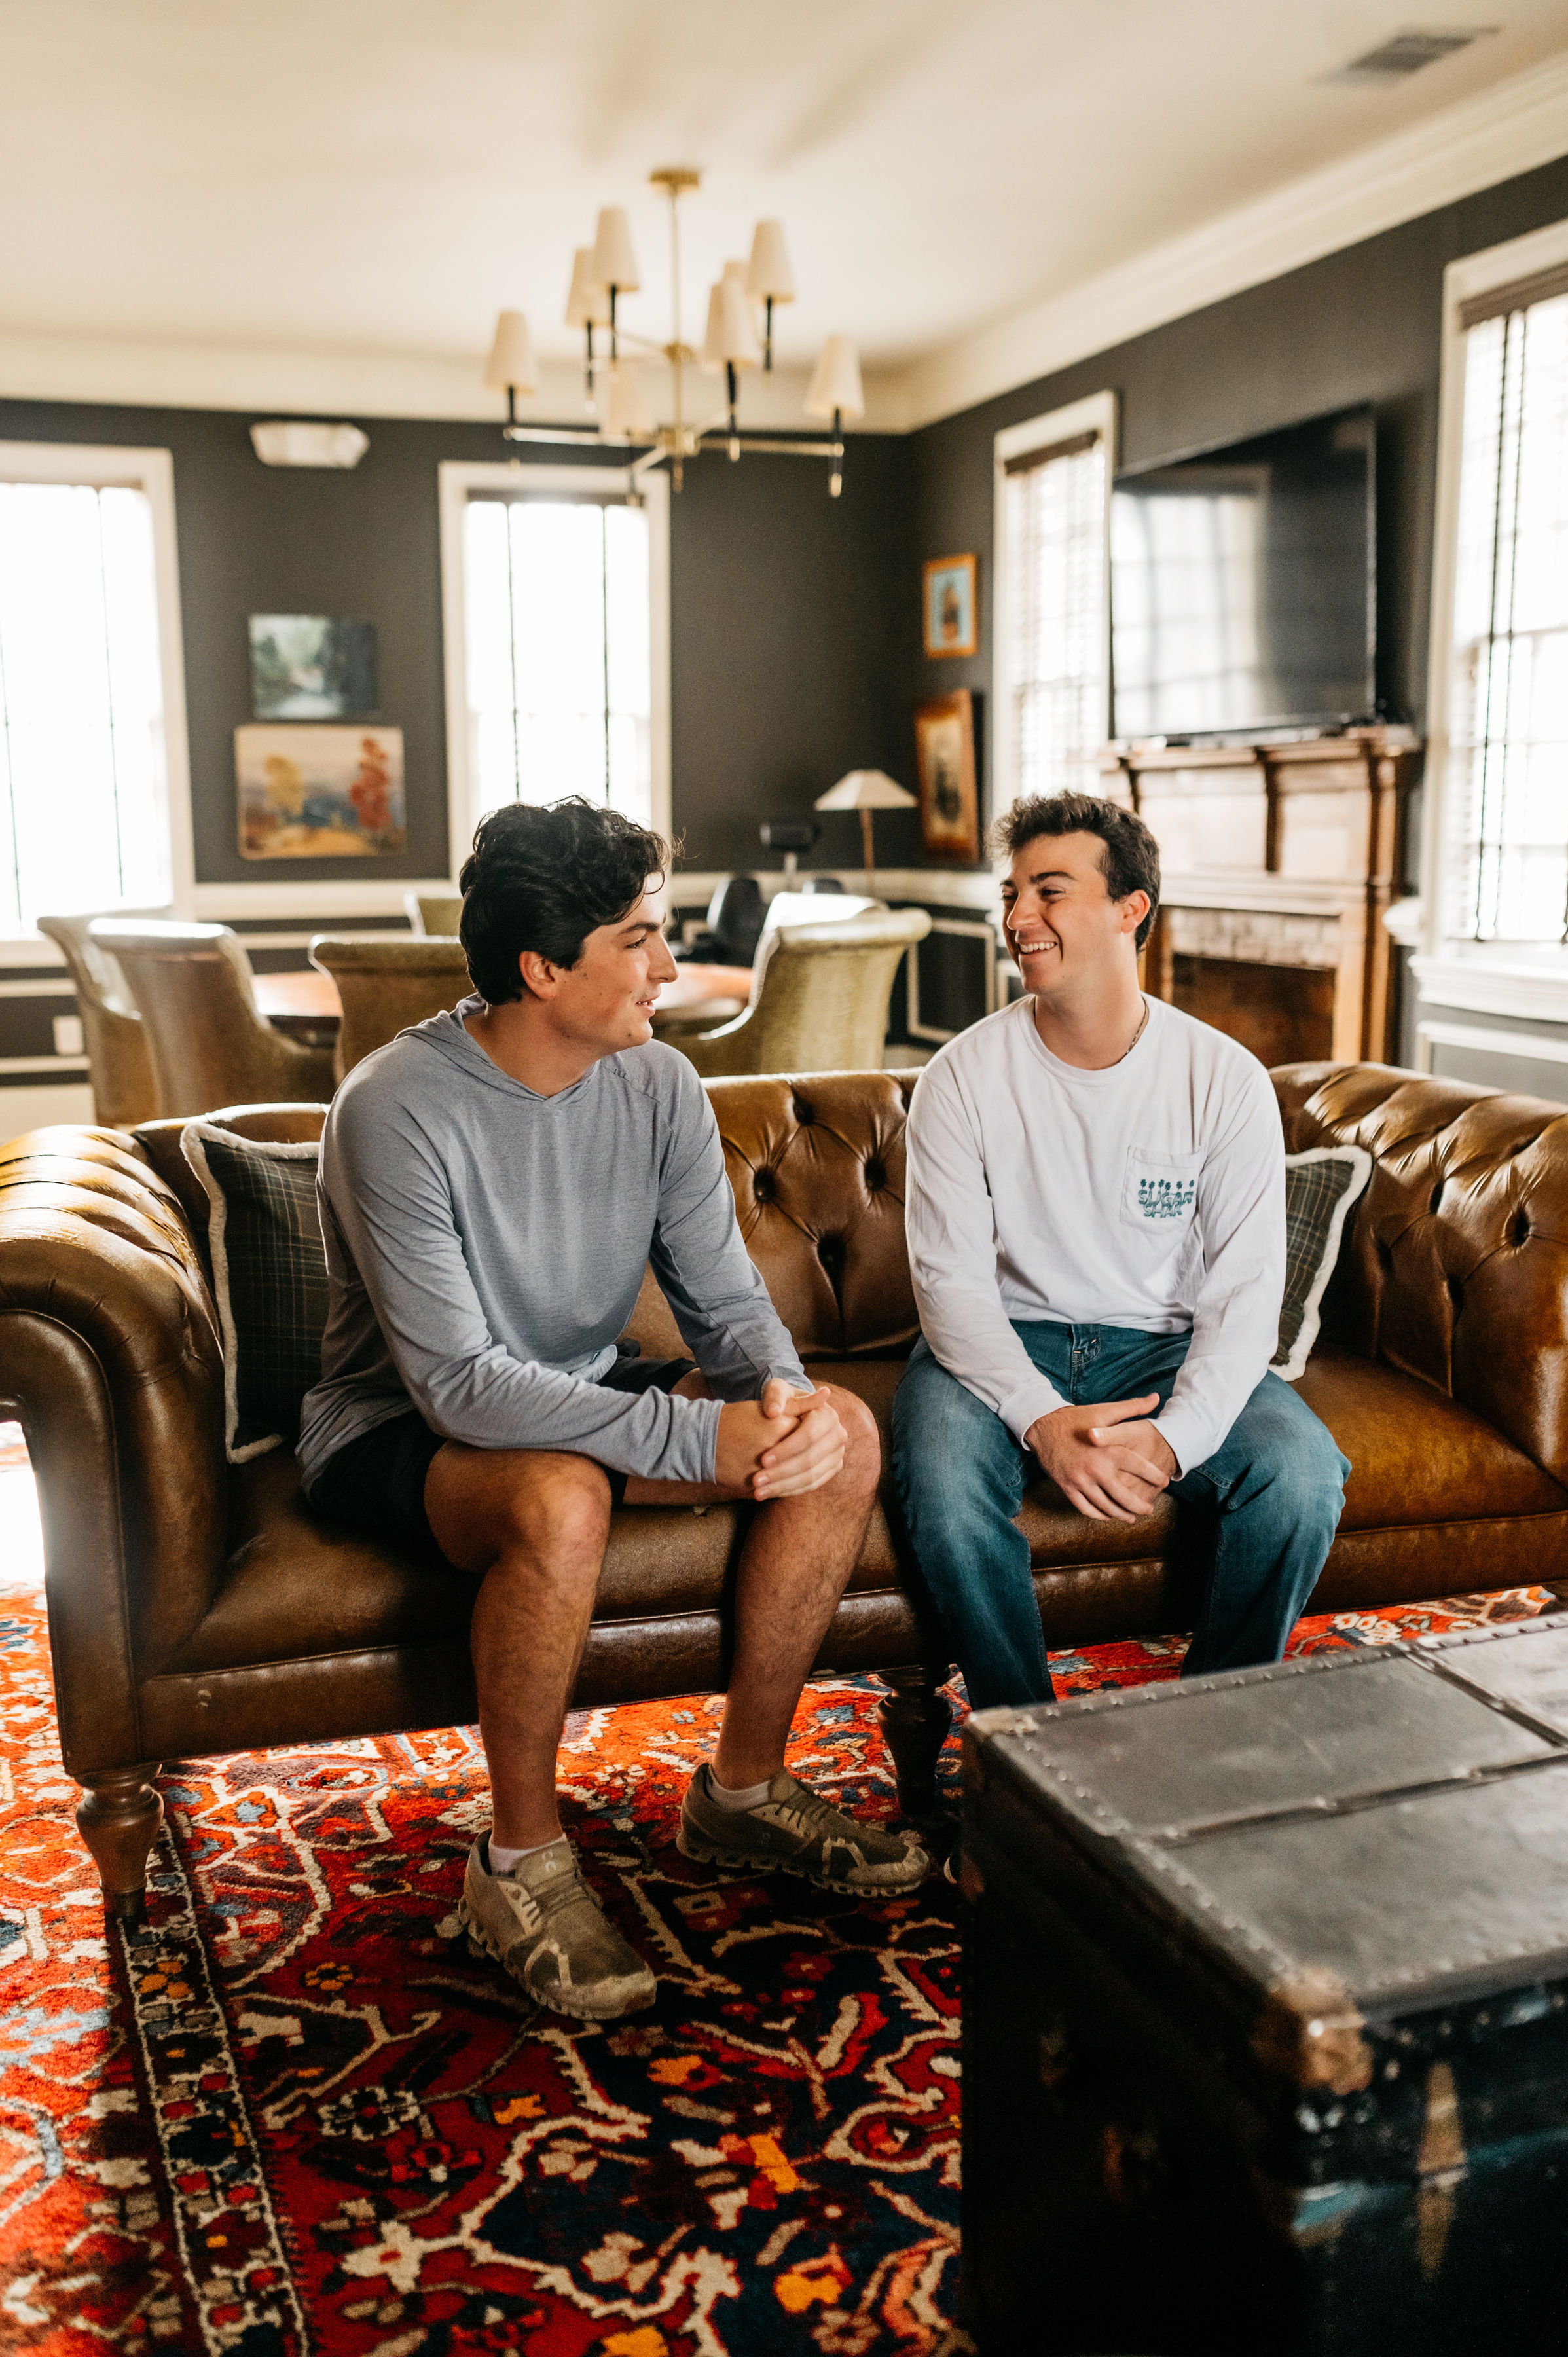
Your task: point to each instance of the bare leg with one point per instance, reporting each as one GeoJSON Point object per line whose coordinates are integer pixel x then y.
{"type": "Point", "coordinates": [794, 1566]}
{"type": "Point", "coordinates": [534, 1522]}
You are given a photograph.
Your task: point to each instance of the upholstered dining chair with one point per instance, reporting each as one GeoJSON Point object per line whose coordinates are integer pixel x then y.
{"type": "Point", "coordinates": [208, 1041]}
{"type": "Point", "coordinates": [386, 981]}
{"type": "Point", "coordinates": [819, 998]}
{"type": "Point", "coordinates": [118, 1063]}
{"type": "Point", "coordinates": [435, 913]}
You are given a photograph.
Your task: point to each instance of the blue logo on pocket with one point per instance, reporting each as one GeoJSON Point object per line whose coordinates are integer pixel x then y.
{"type": "Point", "coordinates": [1166, 1199]}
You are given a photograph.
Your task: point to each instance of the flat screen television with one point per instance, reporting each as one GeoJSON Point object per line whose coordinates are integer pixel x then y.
{"type": "Point", "coordinates": [1242, 584]}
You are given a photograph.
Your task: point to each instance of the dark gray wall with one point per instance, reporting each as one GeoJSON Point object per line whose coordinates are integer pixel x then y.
{"type": "Point", "coordinates": [796, 620]}
{"type": "Point", "coordinates": [1363, 325]}
{"type": "Point", "coordinates": [781, 652]}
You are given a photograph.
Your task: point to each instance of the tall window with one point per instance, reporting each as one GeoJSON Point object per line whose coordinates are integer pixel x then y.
{"type": "Point", "coordinates": [1052, 646]}
{"type": "Point", "coordinates": [1508, 779]}
{"type": "Point", "coordinates": [83, 794]}
{"type": "Point", "coordinates": [559, 650]}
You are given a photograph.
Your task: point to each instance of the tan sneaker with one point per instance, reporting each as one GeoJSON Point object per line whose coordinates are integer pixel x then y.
{"type": "Point", "coordinates": [542, 1922]}
{"type": "Point", "coordinates": [795, 1831]}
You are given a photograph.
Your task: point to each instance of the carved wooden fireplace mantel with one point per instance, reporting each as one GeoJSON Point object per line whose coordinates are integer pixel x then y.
{"type": "Point", "coordinates": [1278, 860]}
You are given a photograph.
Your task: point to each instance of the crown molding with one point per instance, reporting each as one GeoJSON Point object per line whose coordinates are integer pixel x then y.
{"type": "Point", "coordinates": [1494, 136]}
{"type": "Point", "coordinates": [355, 384]}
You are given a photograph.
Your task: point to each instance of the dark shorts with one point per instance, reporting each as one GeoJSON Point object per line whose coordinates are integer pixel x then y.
{"type": "Point", "coordinates": [376, 1484]}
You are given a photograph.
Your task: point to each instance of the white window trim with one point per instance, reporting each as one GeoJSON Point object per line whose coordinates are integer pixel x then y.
{"type": "Point", "coordinates": [458, 479]}
{"type": "Point", "coordinates": [1095, 413]}
{"type": "Point", "coordinates": [1452, 972]}
{"type": "Point", "coordinates": [113, 465]}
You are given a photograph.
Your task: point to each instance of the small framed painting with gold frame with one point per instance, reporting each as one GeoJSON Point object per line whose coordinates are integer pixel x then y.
{"type": "Point", "coordinates": [952, 605]}
{"type": "Point", "coordinates": [944, 764]}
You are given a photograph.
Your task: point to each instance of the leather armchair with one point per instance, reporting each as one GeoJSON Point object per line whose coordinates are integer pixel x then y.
{"type": "Point", "coordinates": [435, 914]}
{"type": "Point", "coordinates": [117, 1060]}
{"type": "Point", "coordinates": [209, 1041]}
{"type": "Point", "coordinates": [197, 1607]}
{"type": "Point", "coordinates": [385, 982]}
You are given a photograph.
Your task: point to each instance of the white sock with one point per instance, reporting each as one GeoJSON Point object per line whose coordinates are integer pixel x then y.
{"type": "Point", "coordinates": [749, 1796]}
{"type": "Point", "coordinates": [503, 1860]}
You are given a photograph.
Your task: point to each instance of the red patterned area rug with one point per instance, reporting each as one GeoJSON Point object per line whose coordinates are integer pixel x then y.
{"type": "Point", "coordinates": [293, 2114]}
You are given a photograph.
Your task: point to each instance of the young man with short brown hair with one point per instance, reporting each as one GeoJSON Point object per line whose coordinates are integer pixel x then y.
{"type": "Point", "coordinates": [493, 1183]}
{"type": "Point", "coordinates": [1096, 1223]}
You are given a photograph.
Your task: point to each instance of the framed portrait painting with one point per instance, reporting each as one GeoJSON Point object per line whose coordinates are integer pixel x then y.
{"type": "Point", "coordinates": [952, 605]}
{"type": "Point", "coordinates": [944, 765]}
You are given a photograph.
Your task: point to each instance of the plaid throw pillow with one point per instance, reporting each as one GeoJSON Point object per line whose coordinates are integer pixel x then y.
{"type": "Point", "coordinates": [1320, 1188]}
{"type": "Point", "coordinates": [269, 1272]}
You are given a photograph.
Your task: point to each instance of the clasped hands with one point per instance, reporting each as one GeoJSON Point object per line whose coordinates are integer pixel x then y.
{"type": "Point", "coordinates": [783, 1445]}
{"type": "Point", "coordinates": [1107, 1460]}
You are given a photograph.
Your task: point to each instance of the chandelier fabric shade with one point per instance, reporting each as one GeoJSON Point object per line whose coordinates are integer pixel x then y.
{"type": "Point", "coordinates": [511, 366]}
{"type": "Point", "coordinates": [587, 305]}
{"type": "Point", "coordinates": [614, 257]}
{"type": "Point", "coordinates": [625, 411]}
{"type": "Point", "coordinates": [729, 311]}
{"type": "Point", "coordinates": [835, 386]}
{"type": "Point", "coordinates": [768, 278]}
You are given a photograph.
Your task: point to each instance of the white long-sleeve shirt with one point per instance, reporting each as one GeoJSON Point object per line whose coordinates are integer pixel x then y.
{"type": "Point", "coordinates": [1149, 1195]}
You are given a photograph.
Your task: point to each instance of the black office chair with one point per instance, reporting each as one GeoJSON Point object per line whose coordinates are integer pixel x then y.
{"type": "Point", "coordinates": [734, 926]}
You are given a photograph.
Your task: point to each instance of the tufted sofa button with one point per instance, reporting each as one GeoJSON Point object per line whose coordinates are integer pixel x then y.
{"type": "Point", "coordinates": [803, 1113]}
{"type": "Point", "coordinates": [875, 1177]}
{"type": "Point", "coordinates": [764, 1186]}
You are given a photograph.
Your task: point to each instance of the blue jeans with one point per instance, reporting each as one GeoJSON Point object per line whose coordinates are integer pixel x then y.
{"type": "Point", "coordinates": [1267, 1505]}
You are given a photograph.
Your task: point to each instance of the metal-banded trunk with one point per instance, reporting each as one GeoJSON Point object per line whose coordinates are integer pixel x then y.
{"type": "Point", "coordinates": [1266, 2038]}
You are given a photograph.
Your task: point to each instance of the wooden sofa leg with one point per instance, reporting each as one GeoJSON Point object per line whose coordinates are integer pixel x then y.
{"type": "Point", "coordinates": [118, 1819]}
{"type": "Point", "coordinates": [915, 1718]}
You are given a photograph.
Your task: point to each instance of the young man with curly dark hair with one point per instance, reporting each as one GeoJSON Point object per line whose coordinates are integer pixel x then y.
{"type": "Point", "coordinates": [493, 1183]}
{"type": "Point", "coordinates": [1097, 1237]}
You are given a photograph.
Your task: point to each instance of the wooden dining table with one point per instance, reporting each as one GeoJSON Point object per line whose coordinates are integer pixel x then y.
{"type": "Point", "coordinates": [305, 1005]}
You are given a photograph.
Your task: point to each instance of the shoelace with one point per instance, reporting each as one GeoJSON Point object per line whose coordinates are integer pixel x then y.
{"type": "Point", "coordinates": [816, 1811]}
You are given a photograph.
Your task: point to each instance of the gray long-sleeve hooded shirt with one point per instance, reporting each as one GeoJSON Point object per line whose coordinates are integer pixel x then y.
{"type": "Point", "coordinates": [485, 1248]}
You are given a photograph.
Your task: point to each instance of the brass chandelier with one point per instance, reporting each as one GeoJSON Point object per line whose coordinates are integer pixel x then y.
{"type": "Point", "coordinates": [739, 337]}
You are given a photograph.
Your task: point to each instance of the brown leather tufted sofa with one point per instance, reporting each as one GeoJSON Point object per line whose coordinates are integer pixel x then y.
{"type": "Point", "coordinates": [197, 1607]}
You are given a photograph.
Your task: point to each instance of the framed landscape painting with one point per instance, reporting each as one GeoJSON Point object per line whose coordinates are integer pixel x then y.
{"type": "Point", "coordinates": [952, 605]}
{"type": "Point", "coordinates": [319, 793]}
{"type": "Point", "coordinates": [944, 765]}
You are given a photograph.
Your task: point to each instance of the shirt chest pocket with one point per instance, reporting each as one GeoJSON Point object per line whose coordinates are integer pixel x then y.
{"type": "Point", "coordinates": [1159, 1191]}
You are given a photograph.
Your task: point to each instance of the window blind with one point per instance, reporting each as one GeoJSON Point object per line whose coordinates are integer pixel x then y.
{"type": "Point", "coordinates": [1509, 715]}
{"type": "Point", "coordinates": [1055, 668]}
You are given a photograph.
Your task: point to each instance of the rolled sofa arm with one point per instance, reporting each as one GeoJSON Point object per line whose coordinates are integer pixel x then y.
{"type": "Point", "coordinates": [110, 1358]}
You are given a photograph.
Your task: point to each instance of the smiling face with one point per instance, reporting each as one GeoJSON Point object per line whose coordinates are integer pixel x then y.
{"type": "Point", "coordinates": [1058, 920]}
{"type": "Point", "coordinates": [605, 1002]}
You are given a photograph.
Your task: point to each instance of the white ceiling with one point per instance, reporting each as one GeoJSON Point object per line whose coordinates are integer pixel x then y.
{"type": "Point", "coordinates": [375, 178]}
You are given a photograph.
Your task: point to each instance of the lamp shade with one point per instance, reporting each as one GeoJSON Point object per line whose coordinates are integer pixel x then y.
{"type": "Point", "coordinates": [614, 263]}
{"type": "Point", "coordinates": [865, 790]}
{"type": "Point", "coordinates": [587, 305]}
{"type": "Point", "coordinates": [711, 355]}
{"type": "Point", "coordinates": [624, 418]}
{"type": "Point", "coordinates": [512, 355]}
{"type": "Point", "coordinates": [742, 349]}
{"type": "Point", "coordinates": [768, 277]}
{"type": "Point", "coordinates": [835, 383]}
{"type": "Point", "coordinates": [732, 330]}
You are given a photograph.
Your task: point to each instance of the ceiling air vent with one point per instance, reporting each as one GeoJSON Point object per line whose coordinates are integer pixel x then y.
{"type": "Point", "coordinates": [1406, 53]}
